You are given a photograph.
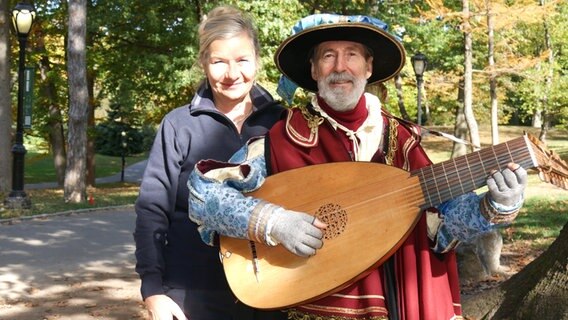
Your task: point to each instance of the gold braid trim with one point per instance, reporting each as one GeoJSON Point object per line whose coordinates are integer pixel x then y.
{"type": "Point", "coordinates": [393, 141]}
{"type": "Point", "coordinates": [297, 315]}
{"type": "Point", "coordinates": [313, 122]}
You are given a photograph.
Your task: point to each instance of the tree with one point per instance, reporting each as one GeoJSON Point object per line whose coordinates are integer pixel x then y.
{"type": "Point", "coordinates": [50, 100]}
{"type": "Point", "coordinates": [548, 78]}
{"type": "Point", "coordinates": [121, 126]}
{"type": "Point", "coordinates": [539, 291]}
{"type": "Point", "coordinates": [75, 189]}
{"type": "Point", "coordinates": [536, 61]}
{"type": "Point", "coordinates": [492, 76]}
{"type": "Point", "coordinates": [402, 109]}
{"type": "Point", "coordinates": [145, 48]}
{"type": "Point", "coordinates": [5, 100]}
{"type": "Point", "coordinates": [460, 125]}
{"type": "Point", "coordinates": [468, 76]}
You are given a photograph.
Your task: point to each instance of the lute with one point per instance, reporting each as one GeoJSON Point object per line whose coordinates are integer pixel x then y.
{"type": "Point", "coordinates": [370, 209]}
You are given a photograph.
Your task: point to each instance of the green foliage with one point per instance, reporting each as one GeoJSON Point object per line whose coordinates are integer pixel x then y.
{"type": "Point", "coordinates": [146, 50]}
{"type": "Point", "coordinates": [121, 133]}
{"type": "Point", "coordinates": [529, 91]}
{"type": "Point", "coordinates": [271, 31]}
{"type": "Point", "coordinates": [46, 55]}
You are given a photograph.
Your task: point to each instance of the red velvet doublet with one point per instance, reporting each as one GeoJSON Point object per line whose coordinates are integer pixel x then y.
{"type": "Point", "coordinates": [427, 284]}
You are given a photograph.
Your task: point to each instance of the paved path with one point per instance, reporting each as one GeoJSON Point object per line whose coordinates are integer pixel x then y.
{"type": "Point", "coordinates": [75, 266]}
{"type": "Point", "coordinates": [38, 251]}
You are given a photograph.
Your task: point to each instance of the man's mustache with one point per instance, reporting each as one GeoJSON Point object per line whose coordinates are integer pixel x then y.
{"type": "Point", "coordinates": [339, 76]}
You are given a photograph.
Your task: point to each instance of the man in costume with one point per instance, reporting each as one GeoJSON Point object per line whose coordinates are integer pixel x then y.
{"type": "Point", "coordinates": [336, 57]}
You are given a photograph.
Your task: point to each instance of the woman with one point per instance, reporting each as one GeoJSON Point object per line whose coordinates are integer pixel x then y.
{"type": "Point", "coordinates": [181, 276]}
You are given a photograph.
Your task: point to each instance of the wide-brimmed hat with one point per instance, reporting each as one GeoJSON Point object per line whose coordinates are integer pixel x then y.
{"type": "Point", "coordinates": [293, 55]}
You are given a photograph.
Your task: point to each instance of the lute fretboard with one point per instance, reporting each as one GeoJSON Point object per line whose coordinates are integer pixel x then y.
{"type": "Point", "coordinates": [446, 180]}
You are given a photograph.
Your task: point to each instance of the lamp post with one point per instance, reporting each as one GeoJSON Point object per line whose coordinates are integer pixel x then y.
{"type": "Point", "coordinates": [419, 64]}
{"type": "Point", "coordinates": [123, 154]}
{"type": "Point", "coordinates": [23, 16]}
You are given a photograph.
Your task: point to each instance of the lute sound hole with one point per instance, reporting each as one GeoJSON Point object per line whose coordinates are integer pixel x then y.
{"type": "Point", "coordinates": [335, 217]}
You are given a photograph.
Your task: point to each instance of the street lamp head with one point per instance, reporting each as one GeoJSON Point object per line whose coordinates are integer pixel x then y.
{"type": "Point", "coordinates": [23, 16]}
{"type": "Point", "coordinates": [419, 63]}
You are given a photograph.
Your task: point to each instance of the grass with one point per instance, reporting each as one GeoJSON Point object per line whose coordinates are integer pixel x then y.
{"type": "Point", "coordinates": [49, 201]}
{"type": "Point", "coordinates": [39, 167]}
{"type": "Point", "coordinates": [540, 220]}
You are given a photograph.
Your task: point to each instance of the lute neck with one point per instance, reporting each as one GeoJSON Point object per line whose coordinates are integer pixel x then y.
{"type": "Point", "coordinates": [446, 180]}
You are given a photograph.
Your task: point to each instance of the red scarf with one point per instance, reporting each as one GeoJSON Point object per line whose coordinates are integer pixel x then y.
{"type": "Point", "coordinates": [427, 285]}
{"type": "Point", "coordinates": [351, 119]}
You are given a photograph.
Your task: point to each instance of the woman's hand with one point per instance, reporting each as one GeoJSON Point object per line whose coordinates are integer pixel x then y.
{"type": "Point", "coordinates": [162, 307]}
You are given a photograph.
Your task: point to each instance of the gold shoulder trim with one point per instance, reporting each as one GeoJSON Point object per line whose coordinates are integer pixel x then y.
{"type": "Point", "coordinates": [313, 122]}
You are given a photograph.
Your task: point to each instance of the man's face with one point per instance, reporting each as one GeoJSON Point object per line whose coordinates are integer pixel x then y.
{"type": "Point", "coordinates": [341, 69]}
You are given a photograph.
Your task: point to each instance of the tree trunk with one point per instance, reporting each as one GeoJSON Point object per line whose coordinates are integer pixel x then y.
{"type": "Point", "coordinates": [537, 118]}
{"type": "Point", "coordinates": [460, 126]}
{"type": "Point", "coordinates": [5, 101]}
{"type": "Point", "coordinates": [426, 105]}
{"type": "Point", "coordinates": [56, 134]}
{"type": "Point", "coordinates": [544, 127]}
{"type": "Point", "coordinates": [548, 80]}
{"type": "Point", "coordinates": [91, 76]}
{"type": "Point", "coordinates": [539, 291]}
{"type": "Point", "coordinates": [75, 189]}
{"type": "Point", "coordinates": [91, 164]}
{"type": "Point", "coordinates": [485, 248]}
{"type": "Point", "coordinates": [468, 79]}
{"type": "Point", "coordinates": [401, 108]}
{"type": "Point", "coordinates": [492, 76]}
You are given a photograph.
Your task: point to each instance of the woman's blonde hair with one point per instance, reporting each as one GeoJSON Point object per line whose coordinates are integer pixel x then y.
{"type": "Point", "coordinates": [225, 22]}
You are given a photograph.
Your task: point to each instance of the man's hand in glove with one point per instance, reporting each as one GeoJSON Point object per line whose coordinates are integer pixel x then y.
{"type": "Point", "coordinates": [506, 187]}
{"type": "Point", "coordinates": [298, 232]}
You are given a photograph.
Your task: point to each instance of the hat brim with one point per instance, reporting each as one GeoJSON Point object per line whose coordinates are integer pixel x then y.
{"type": "Point", "coordinates": [293, 56]}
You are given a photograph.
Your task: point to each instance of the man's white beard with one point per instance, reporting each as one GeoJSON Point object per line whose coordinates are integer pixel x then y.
{"type": "Point", "coordinates": [337, 98]}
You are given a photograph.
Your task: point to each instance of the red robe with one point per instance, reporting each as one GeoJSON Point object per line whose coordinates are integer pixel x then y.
{"type": "Point", "coordinates": [427, 284]}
